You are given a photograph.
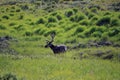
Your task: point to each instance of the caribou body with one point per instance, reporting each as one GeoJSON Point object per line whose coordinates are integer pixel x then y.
{"type": "Point", "coordinates": [56, 48]}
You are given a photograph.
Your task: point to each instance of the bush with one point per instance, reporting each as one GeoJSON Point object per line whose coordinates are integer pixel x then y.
{"type": "Point", "coordinates": [21, 17]}
{"type": "Point", "coordinates": [52, 19]}
{"type": "Point", "coordinates": [41, 21]}
{"type": "Point", "coordinates": [101, 29]}
{"type": "Point", "coordinates": [12, 24]}
{"type": "Point", "coordinates": [114, 32]}
{"type": "Point", "coordinates": [40, 31]}
{"type": "Point", "coordinates": [50, 32]}
{"type": "Point", "coordinates": [28, 33]}
{"type": "Point", "coordinates": [84, 22]}
{"type": "Point", "coordinates": [77, 18]}
{"type": "Point", "coordinates": [79, 29]}
{"type": "Point", "coordinates": [104, 21]}
{"type": "Point", "coordinates": [94, 10]}
{"type": "Point", "coordinates": [2, 27]}
{"type": "Point", "coordinates": [69, 13]}
{"type": "Point", "coordinates": [18, 10]}
{"type": "Point", "coordinates": [90, 15]}
{"type": "Point", "coordinates": [8, 77]}
{"type": "Point", "coordinates": [97, 34]}
{"type": "Point", "coordinates": [11, 14]}
{"type": "Point", "coordinates": [75, 10]}
{"type": "Point", "coordinates": [115, 22]}
{"type": "Point", "coordinates": [59, 17]}
{"type": "Point", "coordinates": [5, 17]}
{"type": "Point", "coordinates": [19, 28]}
{"type": "Point", "coordinates": [51, 25]}
{"type": "Point", "coordinates": [80, 17]}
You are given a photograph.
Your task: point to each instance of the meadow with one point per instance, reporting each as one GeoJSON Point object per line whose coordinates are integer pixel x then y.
{"type": "Point", "coordinates": [91, 34]}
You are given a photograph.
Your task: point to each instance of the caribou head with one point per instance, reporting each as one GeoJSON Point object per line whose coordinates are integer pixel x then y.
{"type": "Point", "coordinates": [55, 48]}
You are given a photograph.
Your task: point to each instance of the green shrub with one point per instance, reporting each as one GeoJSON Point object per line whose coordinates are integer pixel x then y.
{"type": "Point", "coordinates": [80, 17]}
{"type": "Point", "coordinates": [52, 19]}
{"type": "Point", "coordinates": [79, 29]}
{"type": "Point", "coordinates": [40, 31]}
{"type": "Point", "coordinates": [90, 15]}
{"type": "Point", "coordinates": [12, 24]}
{"type": "Point", "coordinates": [84, 22]}
{"type": "Point", "coordinates": [11, 14]}
{"type": "Point", "coordinates": [101, 29]}
{"type": "Point", "coordinates": [94, 10]}
{"type": "Point", "coordinates": [41, 21]}
{"type": "Point", "coordinates": [97, 34]}
{"type": "Point", "coordinates": [21, 17]}
{"type": "Point", "coordinates": [51, 25]}
{"type": "Point", "coordinates": [114, 31]}
{"type": "Point", "coordinates": [92, 29]}
{"type": "Point", "coordinates": [2, 27]}
{"type": "Point", "coordinates": [59, 17]}
{"type": "Point", "coordinates": [77, 18]}
{"type": "Point", "coordinates": [19, 28]}
{"type": "Point", "coordinates": [8, 77]}
{"type": "Point", "coordinates": [75, 10]}
{"type": "Point", "coordinates": [49, 32]}
{"type": "Point", "coordinates": [107, 13]}
{"type": "Point", "coordinates": [93, 20]}
{"type": "Point", "coordinates": [5, 17]}
{"type": "Point", "coordinates": [18, 10]}
{"type": "Point", "coordinates": [28, 33]}
{"type": "Point", "coordinates": [69, 13]}
{"type": "Point", "coordinates": [104, 21]}
{"type": "Point", "coordinates": [115, 22]}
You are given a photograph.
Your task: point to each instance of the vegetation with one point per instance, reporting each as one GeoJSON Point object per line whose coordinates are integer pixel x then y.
{"type": "Point", "coordinates": [91, 33]}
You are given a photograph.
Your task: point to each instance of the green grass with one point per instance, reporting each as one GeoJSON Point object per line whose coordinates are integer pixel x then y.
{"type": "Point", "coordinates": [61, 68]}
{"type": "Point", "coordinates": [30, 28]}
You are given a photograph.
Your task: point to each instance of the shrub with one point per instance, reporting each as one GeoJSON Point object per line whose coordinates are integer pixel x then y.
{"type": "Point", "coordinates": [18, 10]}
{"type": "Point", "coordinates": [21, 17]}
{"type": "Point", "coordinates": [84, 22]}
{"type": "Point", "coordinates": [2, 27]}
{"type": "Point", "coordinates": [59, 17]}
{"type": "Point", "coordinates": [77, 18]}
{"type": "Point", "coordinates": [90, 15]}
{"type": "Point", "coordinates": [80, 17]}
{"type": "Point", "coordinates": [114, 32]}
{"type": "Point", "coordinates": [49, 32]}
{"type": "Point", "coordinates": [11, 14]}
{"type": "Point", "coordinates": [97, 34]}
{"type": "Point", "coordinates": [79, 29]}
{"type": "Point", "coordinates": [101, 29]}
{"type": "Point", "coordinates": [115, 22]}
{"type": "Point", "coordinates": [92, 29]}
{"type": "Point", "coordinates": [8, 77]}
{"type": "Point", "coordinates": [69, 13]}
{"type": "Point", "coordinates": [28, 33]}
{"type": "Point", "coordinates": [12, 24]}
{"type": "Point", "coordinates": [75, 10]}
{"type": "Point", "coordinates": [5, 17]}
{"type": "Point", "coordinates": [41, 21]}
{"type": "Point", "coordinates": [40, 31]}
{"type": "Point", "coordinates": [93, 20]}
{"type": "Point", "coordinates": [104, 21]}
{"type": "Point", "coordinates": [52, 19]}
{"type": "Point", "coordinates": [19, 28]}
{"type": "Point", "coordinates": [94, 10]}
{"type": "Point", "coordinates": [51, 25]}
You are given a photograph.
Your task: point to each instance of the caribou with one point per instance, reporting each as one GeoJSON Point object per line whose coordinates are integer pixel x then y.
{"type": "Point", "coordinates": [57, 49]}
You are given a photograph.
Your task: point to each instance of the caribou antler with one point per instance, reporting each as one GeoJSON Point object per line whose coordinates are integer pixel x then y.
{"type": "Point", "coordinates": [52, 37]}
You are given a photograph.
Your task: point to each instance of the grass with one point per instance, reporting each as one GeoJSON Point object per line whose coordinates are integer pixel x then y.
{"type": "Point", "coordinates": [30, 27]}
{"type": "Point", "coordinates": [61, 68]}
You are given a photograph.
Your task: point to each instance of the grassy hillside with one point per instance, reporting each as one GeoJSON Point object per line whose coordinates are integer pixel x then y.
{"type": "Point", "coordinates": [91, 31]}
